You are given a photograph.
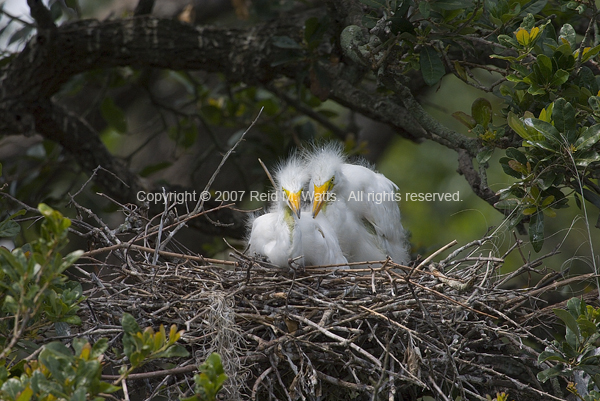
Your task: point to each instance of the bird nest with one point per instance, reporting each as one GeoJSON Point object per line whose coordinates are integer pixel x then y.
{"type": "Point", "coordinates": [443, 327]}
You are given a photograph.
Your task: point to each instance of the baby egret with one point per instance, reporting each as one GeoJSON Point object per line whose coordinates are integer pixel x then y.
{"type": "Point", "coordinates": [359, 203]}
{"type": "Point", "coordinates": [281, 235]}
{"type": "Point", "coordinates": [320, 243]}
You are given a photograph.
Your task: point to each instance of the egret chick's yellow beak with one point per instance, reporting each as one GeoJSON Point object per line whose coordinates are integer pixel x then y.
{"type": "Point", "coordinates": [321, 197]}
{"type": "Point", "coordinates": [293, 200]}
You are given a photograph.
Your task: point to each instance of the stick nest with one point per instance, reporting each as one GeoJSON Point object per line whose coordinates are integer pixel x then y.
{"type": "Point", "coordinates": [444, 328]}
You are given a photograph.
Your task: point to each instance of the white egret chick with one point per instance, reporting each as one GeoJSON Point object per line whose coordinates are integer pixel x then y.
{"type": "Point", "coordinates": [320, 243]}
{"type": "Point", "coordinates": [359, 203]}
{"type": "Point", "coordinates": [275, 234]}
{"type": "Point", "coordinates": [281, 235]}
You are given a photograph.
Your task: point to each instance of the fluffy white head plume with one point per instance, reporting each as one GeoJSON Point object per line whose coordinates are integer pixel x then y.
{"type": "Point", "coordinates": [291, 174]}
{"type": "Point", "coordinates": [324, 162]}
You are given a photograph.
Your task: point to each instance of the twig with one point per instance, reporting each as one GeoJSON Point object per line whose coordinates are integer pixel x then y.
{"type": "Point", "coordinates": [268, 173]}
{"type": "Point", "coordinates": [200, 204]}
{"type": "Point", "coordinates": [433, 255]}
{"type": "Point", "coordinates": [343, 342]}
{"type": "Point", "coordinates": [158, 373]}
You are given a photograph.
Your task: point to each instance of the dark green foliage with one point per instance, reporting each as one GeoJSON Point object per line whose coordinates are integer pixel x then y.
{"type": "Point", "coordinates": [35, 291]}
{"type": "Point", "coordinates": [34, 288]}
{"type": "Point", "coordinates": [210, 379]}
{"type": "Point", "coordinates": [141, 347]}
{"type": "Point", "coordinates": [551, 100]}
{"type": "Point", "coordinates": [576, 350]}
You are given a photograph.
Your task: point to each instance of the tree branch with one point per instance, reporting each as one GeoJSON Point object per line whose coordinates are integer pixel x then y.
{"type": "Point", "coordinates": [41, 14]}
{"type": "Point", "coordinates": [83, 142]}
{"type": "Point", "coordinates": [378, 108]}
{"type": "Point", "coordinates": [479, 186]}
{"type": "Point", "coordinates": [144, 7]}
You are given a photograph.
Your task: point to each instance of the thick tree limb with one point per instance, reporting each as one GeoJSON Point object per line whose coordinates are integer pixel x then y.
{"type": "Point", "coordinates": [378, 108]}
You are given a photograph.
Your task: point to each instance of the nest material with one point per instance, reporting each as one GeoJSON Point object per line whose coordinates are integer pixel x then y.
{"type": "Point", "coordinates": [444, 328]}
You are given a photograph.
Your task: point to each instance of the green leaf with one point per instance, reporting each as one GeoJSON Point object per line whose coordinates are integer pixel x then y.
{"type": "Point", "coordinates": [129, 324]}
{"type": "Point", "coordinates": [525, 131]}
{"type": "Point", "coordinates": [374, 3]}
{"type": "Point", "coordinates": [591, 197]}
{"type": "Point", "coordinates": [484, 155]}
{"type": "Point", "coordinates": [108, 388]}
{"type": "Point", "coordinates": [9, 228]}
{"type": "Point", "coordinates": [451, 4]}
{"type": "Point", "coordinates": [588, 54]}
{"type": "Point", "coordinates": [588, 139]}
{"type": "Point", "coordinates": [12, 387]}
{"type": "Point", "coordinates": [460, 71]}
{"type": "Point", "coordinates": [563, 115]}
{"type": "Point", "coordinates": [285, 42]}
{"type": "Point", "coordinates": [536, 231]}
{"type": "Point", "coordinates": [79, 394]}
{"type": "Point", "coordinates": [481, 110]}
{"type": "Point", "coordinates": [594, 102]}
{"type": "Point", "coordinates": [546, 179]}
{"type": "Point", "coordinates": [568, 33]}
{"type": "Point", "coordinates": [113, 115]}
{"type": "Point", "coordinates": [534, 7]}
{"type": "Point", "coordinates": [136, 358]}
{"type": "Point", "coordinates": [25, 395]}
{"type": "Point", "coordinates": [505, 162]}
{"type": "Point", "coordinates": [560, 77]}
{"type": "Point", "coordinates": [517, 125]}
{"type": "Point", "coordinates": [99, 348]}
{"type": "Point", "coordinates": [516, 154]}
{"type": "Point", "coordinates": [585, 158]}
{"type": "Point", "coordinates": [554, 371]}
{"type": "Point", "coordinates": [551, 356]}
{"type": "Point", "coordinates": [424, 9]}
{"type": "Point", "coordinates": [545, 67]}
{"type": "Point", "coordinates": [586, 327]}
{"type": "Point", "coordinates": [507, 204]}
{"type": "Point", "coordinates": [572, 326]}
{"type": "Point", "coordinates": [465, 119]}
{"type": "Point", "coordinates": [174, 350]}
{"type": "Point", "coordinates": [431, 64]}
{"type": "Point", "coordinates": [507, 41]}
{"type": "Point", "coordinates": [591, 369]}
{"type": "Point", "coordinates": [546, 129]}
{"type": "Point", "coordinates": [70, 259]}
